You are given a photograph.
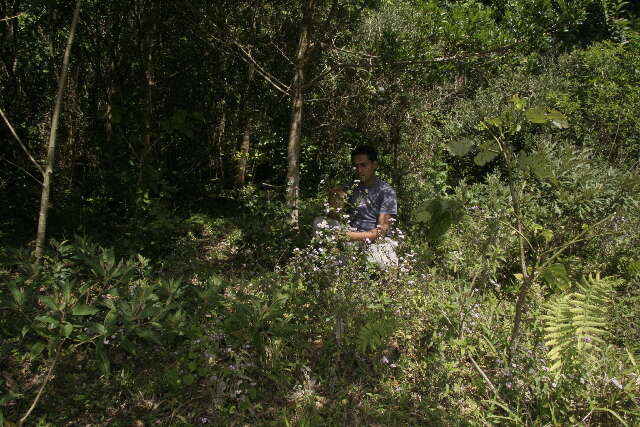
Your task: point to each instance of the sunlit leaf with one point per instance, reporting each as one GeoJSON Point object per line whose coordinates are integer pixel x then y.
{"type": "Point", "coordinates": [19, 294]}
{"type": "Point", "coordinates": [84, 310]}
{"type": "Point", "coordinates": [51, 322]}
{"type": "Point", "coordinates": [459, 148]}
{"type": "Point", "coordinates": [37, 348]}
{"type": "Point", "coordinates": [518, 103]}
{"type": "Point", "coordinates": [99, 328]}
{"type": "Point", "coordinates": [484, 157]}
{"type": "Point", "coordinates": [494, 121]}
{"type": "Point", "coordinates": [67, 328]}
{"type": "Point", "coordinates": [536, 115]}
{"type": "Point", "coordinates": [49, 302]}
{"type": "Point", "coordinates": [547, 235]}
{"type": "Point", "coordinates": [555, 275]}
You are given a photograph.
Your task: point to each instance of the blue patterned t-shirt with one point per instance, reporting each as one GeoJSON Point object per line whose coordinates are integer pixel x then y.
{"type": "Point", "coordinates": [367, 203]}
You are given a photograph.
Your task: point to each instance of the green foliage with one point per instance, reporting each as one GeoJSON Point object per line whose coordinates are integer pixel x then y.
{"type": "Point", "coordinates": [602, 98]}
{"type": "Point", "coordinates": [576, 325]}
{"type": "Point", "coordinates": [375, 333]}
{"type": "Point", "coordinates": [212, 318]}
{"type": "Point", "coordinates": [258, 321]}
{"type": "Point", "coordinates": [84, 297]}
{"type": "Point", "coordinates": [437, 216]}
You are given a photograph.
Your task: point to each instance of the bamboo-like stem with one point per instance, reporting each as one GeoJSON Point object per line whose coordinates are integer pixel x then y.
{"type": "Point", "coordinates": [48, 173]}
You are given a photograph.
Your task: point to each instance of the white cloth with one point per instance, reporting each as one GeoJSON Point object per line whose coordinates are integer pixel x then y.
{"type": "Point", "coordinates": [383, 253]}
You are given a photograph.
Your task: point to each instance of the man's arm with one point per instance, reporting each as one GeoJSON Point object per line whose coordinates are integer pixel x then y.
{"type": "Point", "coordinates": [384, 223]}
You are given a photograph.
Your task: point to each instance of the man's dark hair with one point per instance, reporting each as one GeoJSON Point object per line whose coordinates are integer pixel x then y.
{"type": "Point", "coordinates": [370, 152]}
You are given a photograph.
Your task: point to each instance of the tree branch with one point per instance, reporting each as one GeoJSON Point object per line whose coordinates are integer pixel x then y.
{"type": "Point", "coordinates": [22, 169]}
{"type": "Point", "coordinates": [265, 74]}
{"type": "Point", "coordinates": [11, 17]}
{"type": "Point", "coordinates": [15, 135]}
{"type": "Point", "coordinates": [373, 61]}
{"type": "Point", "coordinates": [245, 54]}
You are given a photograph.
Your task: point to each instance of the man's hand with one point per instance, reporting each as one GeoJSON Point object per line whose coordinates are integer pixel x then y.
{"type": "Point", "coordinates": [384, 223]}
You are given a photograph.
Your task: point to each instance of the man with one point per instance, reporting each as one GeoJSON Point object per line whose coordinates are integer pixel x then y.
{"type": "Point", "coordinates": [373, 202]}
{"type": "Point", "coordinates": [373, 207]}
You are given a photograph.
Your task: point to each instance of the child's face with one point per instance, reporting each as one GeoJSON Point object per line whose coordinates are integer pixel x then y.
{"type": "Point", "coordinates": [337, 198]}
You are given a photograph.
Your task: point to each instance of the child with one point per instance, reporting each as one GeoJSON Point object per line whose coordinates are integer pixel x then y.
{"type": "Point", "coordinates": [336, 199]}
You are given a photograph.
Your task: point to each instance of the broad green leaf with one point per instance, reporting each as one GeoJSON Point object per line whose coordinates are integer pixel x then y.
{"type": "Point", "coordinates": [484, 157]}
{"type": "Point", "coordinates": [536, 163]}
{"type": "Point", "coordinates": [459, 148]}
{"type": "Point", "coordinates": [103, 361]}
{"type": "Point", "coordinates": [558, 119]}
{"type": "Point", "coordinates": [49, 302]}
{"type": "Point", "coordinates": [37, 348]}
{"type": "Point", "coordinates": [547, 235]}
{"type": "Point", "coordinates": [149, 335]}
{"type": "Point", "coordinates": [111, 318]}
{"type": "Point", "coordinates": [100, 329]}
{"type": "Point", "coordinates": [524, 161]}
{"type": "Point", "coordinates": [556, 275]}
{"type": "Point", "coordinates": [19, 294]}
{"type": "Point", "coordinates": [536, 115]}
{"type": "Point", "coordinates": [84, 310]}
{"type": "Point", "coordinates": [494, 121]}
{"type": "Point", "coordinates": [518, 103]}
{"type": "Point", "coordinates": [67, 328]}
{"type": "Point", "coordinates": [48, 320]}
{"type": "Point", "coordinates": [489, 146]}
{"type": "Point", "coordinates": [66, 292]}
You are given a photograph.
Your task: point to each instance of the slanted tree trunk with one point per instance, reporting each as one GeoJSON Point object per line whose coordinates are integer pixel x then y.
{"type": "Point", "coordinates": [51, 150]}
{"type": "Point", "coordinates": [297, 101]}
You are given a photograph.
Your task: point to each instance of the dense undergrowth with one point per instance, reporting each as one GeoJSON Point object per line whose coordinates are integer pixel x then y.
{"type": "Point", "coordinates": [217, 312]}
{"type": "Point", "coordinates": [226, 329]}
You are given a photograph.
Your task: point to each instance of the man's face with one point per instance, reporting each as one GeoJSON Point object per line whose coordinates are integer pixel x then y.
{"type": "Point", "coordinates": [364, 168]}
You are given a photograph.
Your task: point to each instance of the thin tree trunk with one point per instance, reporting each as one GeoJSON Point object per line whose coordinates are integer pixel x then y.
{"type": "Point", "coordinates": [297, 101]}
{"type": "Point", "coordinates": [395, 143]}
{"type": "Point", "coordinates": [526, 279]}
{"type": "Point", "coordinates": [148, 110]}
{"type": "Point", "coordinates": [219, 141]}
{"type": "Point", "coordinates": [48, 173]}
{"type": "Point", "coordinates": [245, 143]}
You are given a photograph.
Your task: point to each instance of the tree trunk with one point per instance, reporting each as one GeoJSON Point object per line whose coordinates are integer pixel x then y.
{"type": "Point", "coordinates": [395, 144]}
{"type": "Point", "coordinates": [245, 142]}
{"type": "Point", "coordinates": [219, 141]}
{"type": "Point", "coordinates": [148, 109]}
{"type": "Point", "coordinates": [297, 101]}
{"type": "Point", "coordinates": [48, 173]}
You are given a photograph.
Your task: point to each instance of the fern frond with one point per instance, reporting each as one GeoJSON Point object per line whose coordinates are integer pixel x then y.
{"type": "Point", "coordinates": [576, 323]}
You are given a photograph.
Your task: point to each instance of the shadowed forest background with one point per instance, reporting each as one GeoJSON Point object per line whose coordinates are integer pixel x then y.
{"type": "Point", "coordinates": [159, 181]}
